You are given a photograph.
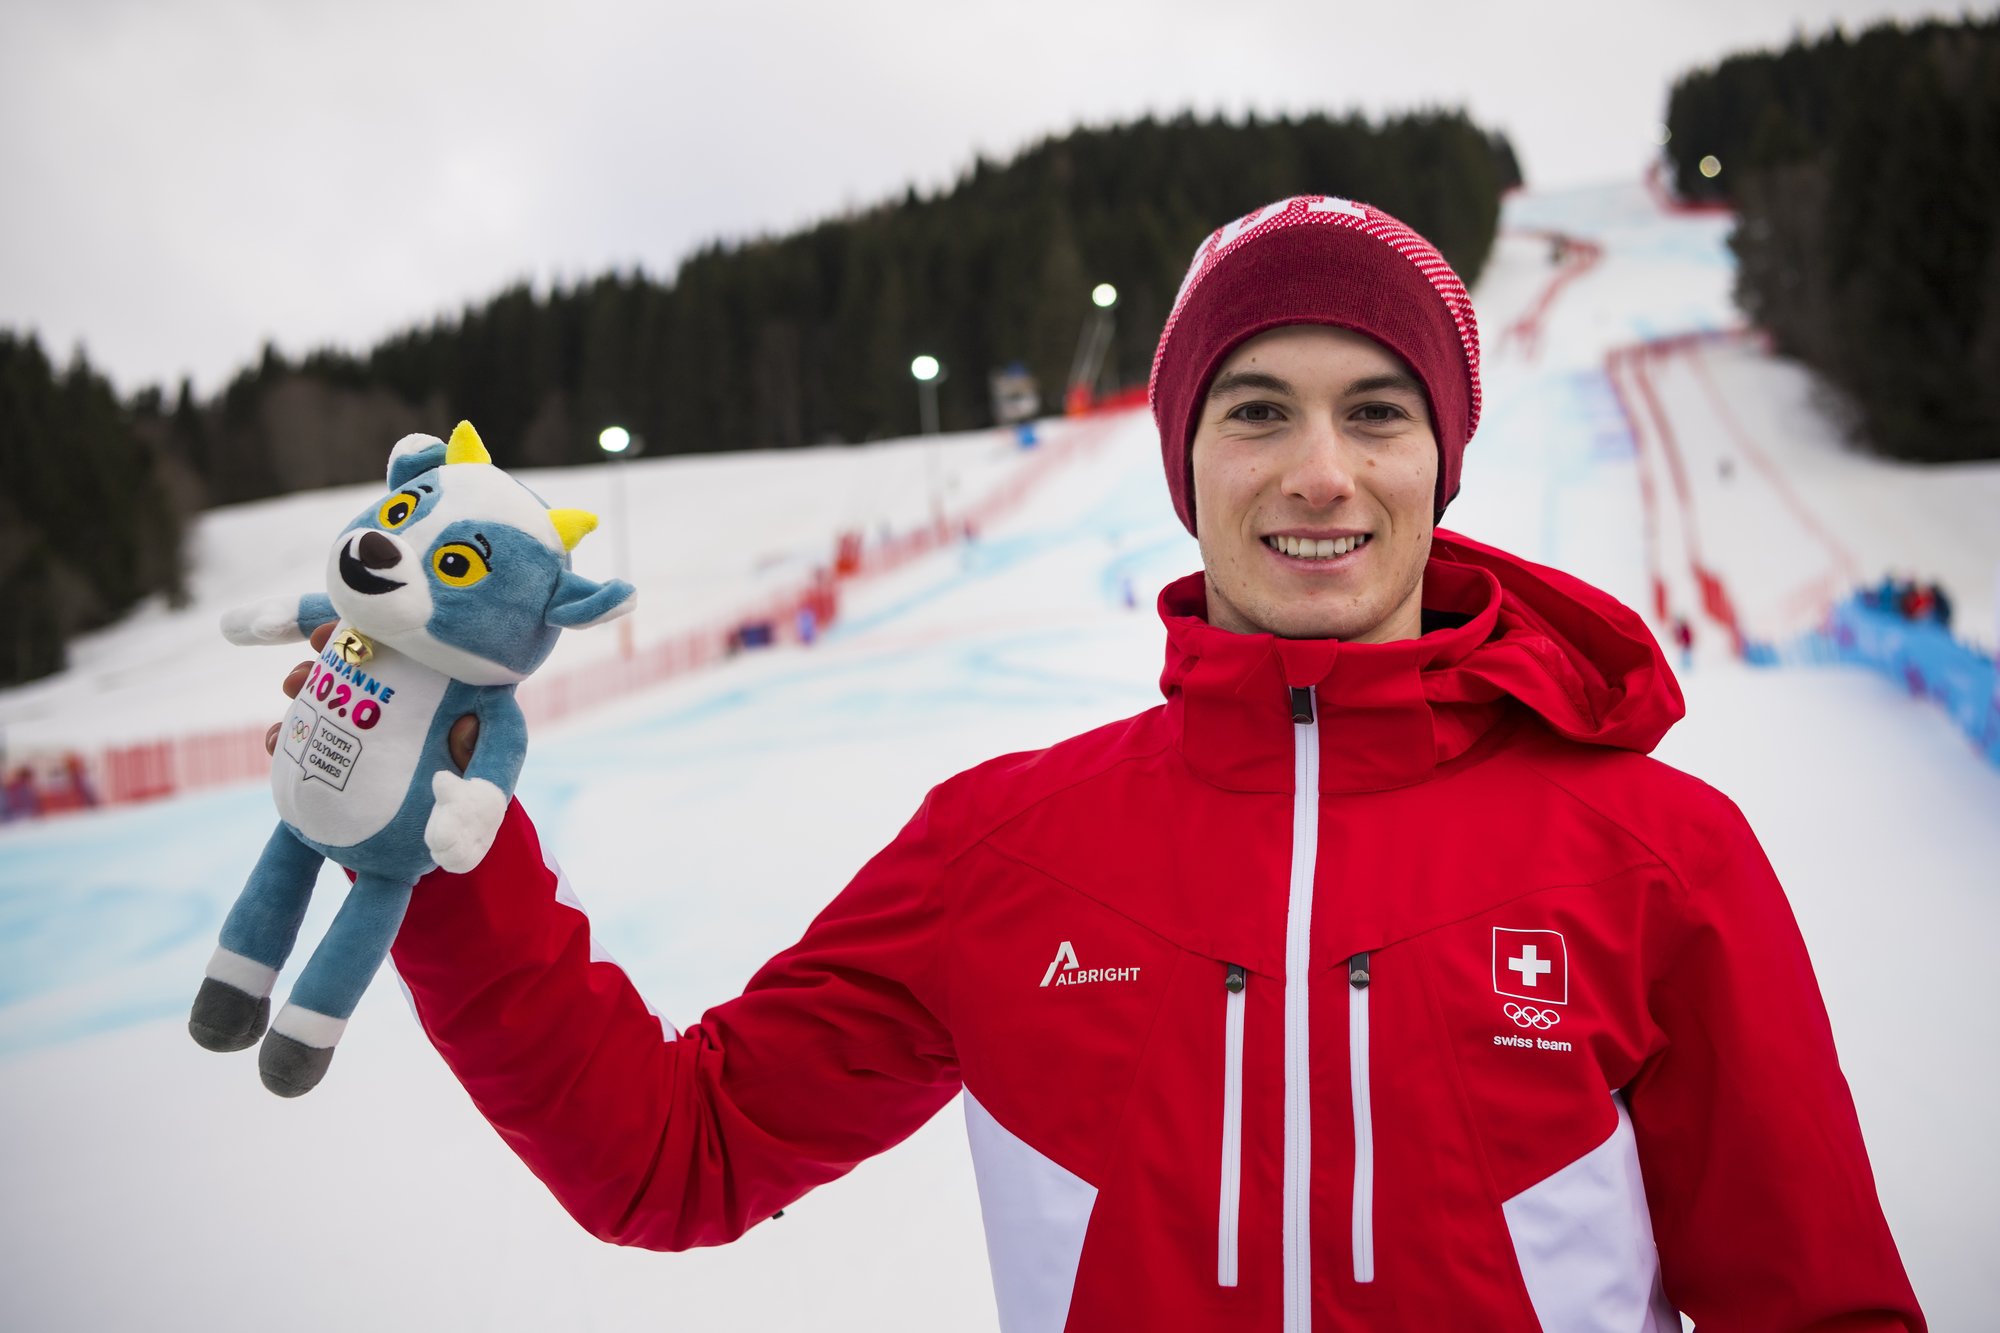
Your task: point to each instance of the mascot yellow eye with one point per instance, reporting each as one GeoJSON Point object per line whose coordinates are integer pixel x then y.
{"type": "Point", "coordinates": [396, 510]}
{"type": "Point", "coordinates": [459, 565]}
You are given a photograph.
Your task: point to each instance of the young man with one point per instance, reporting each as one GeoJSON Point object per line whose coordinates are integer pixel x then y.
{"type": "Point", "coordinates": [1376, 979]}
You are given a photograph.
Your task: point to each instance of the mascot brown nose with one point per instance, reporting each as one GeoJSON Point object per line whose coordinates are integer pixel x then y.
{"type": "Point", "coordinates": [377, 551]}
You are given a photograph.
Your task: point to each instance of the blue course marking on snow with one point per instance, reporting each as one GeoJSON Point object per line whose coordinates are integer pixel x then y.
{"type": "Point", "coordinates": [1594, 433]}
{"type": "Point", "coordinates": [97, 909]}
{"type": "Point", "coordinates": [851, 703]}
{"type": "Point", "coordinates": [1599, 409]}
{"type": "Point", "coordinates": [991, 662]}
{"type": "Point", "coordinates": [979, 560]}
{"type": "Point", "coordinates": [1126, 508]}
{"type": "Point", "coordinates": [1154, 562]}
{"type": "Point", "coordinates": [91, 931]}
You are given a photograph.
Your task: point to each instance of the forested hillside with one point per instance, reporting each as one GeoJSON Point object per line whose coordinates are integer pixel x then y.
{"type": "Point", "coordinates": [807, 338]}
{"type": "Point", "coordinates": [91, 508]}
{"type": "Point", "coordinates": [1866, 173]}
{"type": "Point", "coordinates": [769, 342]}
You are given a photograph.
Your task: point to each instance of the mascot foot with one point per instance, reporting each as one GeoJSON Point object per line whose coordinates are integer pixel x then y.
{"type": "Point", "coordinates": [291, 1068]}
{"type": "Point", "coordinates": [227, 1019]}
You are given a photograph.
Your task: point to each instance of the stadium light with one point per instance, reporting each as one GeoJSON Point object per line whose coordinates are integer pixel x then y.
{"type": "Point", "coordinates": [928, 370]}
{"type": "Point", "coordinates": [1093, 345]}
{"type": "Point", "coordinates": [617, 442]}
{"type": "Point", "coordinates": [1711, 166]}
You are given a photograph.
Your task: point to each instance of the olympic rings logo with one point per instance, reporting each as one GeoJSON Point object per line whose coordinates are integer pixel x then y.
{"type": "Point", "coordinates": [1527, 1016]}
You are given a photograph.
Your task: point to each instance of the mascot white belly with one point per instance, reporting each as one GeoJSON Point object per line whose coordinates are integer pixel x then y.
{"type": "Point", "coordinates": [349, 749]}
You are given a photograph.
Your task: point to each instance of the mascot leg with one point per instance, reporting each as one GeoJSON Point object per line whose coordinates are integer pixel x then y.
{"type": "Point", "coordinates": [300, 1044]}
{"type": "Point", "coordinates": [234, 1002]}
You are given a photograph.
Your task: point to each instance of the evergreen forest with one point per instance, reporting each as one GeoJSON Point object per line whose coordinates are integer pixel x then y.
{"type": "Point", "coordinates": [91, 510]}
{"type": "Point", "coordinates": [1865, 172]}
{"type": "Point", "coordinates": [770, 342]}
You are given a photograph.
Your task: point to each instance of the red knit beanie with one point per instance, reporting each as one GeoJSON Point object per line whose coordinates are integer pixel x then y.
{"type": "Point", "coordinates": [1315, 259]}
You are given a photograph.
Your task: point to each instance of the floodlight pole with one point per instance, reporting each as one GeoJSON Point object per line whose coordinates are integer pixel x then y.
{"type": "Point", "coordinates": [927, 371]}
{"type": "Point", "coordinates": [617, 443]}
{"type": "Point", "coordinates": [1087, 366]}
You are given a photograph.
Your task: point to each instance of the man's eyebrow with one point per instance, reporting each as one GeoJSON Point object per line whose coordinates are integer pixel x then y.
{"type": "Point", "coordinates": [1240, 381]}
{"type": "Point", "coordinates": [1380, 383]}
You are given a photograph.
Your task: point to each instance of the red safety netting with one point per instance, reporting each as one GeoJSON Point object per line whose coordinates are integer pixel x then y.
{"type": "Point", "coordinates": [55, 783]}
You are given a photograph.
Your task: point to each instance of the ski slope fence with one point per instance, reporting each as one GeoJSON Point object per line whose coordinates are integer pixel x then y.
{"type": "Point", "coordinates": [1668, 202]}
{"type": "Point", "coordinates": [1574, 257]}
{"type": "Point", "coordinates": [165, 766]}
{"type": "Point", "coordinates": [1921, 657]}
{"type": "Point", "coordinates": [1627, 369]}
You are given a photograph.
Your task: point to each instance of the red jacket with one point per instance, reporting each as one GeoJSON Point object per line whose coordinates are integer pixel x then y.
{"type": "Point", "coordinates": [1356, 986]}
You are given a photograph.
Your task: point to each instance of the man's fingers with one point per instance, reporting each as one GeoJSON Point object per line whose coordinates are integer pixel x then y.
{"type": "Point", "coordinates": [295, 680]}
{"type": "Point", "coordinates": [464, 735]}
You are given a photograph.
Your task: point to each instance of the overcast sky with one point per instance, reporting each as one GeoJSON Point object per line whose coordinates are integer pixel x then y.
{"type": "Point", "coordinates": [184, 180]}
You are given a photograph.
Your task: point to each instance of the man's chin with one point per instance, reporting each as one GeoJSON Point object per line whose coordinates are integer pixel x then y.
{"type": "Point", "coordinates": [1319, 630]}
{"type": "Point", "coordinates": [1366, 623]}
{"type": "Point", "coordinates": [1308, 623]}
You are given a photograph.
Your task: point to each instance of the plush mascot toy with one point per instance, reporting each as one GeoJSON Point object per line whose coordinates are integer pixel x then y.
{"type": "Point", "coordinates": [449, 591]}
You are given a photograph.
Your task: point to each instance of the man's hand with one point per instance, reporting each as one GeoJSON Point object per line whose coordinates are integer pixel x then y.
{"type": "Point", "coordinates": [464, 732]}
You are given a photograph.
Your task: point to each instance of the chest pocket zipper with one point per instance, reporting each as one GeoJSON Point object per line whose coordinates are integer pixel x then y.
{"type": "Point", "coordinates": [1358, 978]}
{"type": "Point", "coordinates": [1232, 1126]}
{"type": "Point", "coordinates": [1237, 981]}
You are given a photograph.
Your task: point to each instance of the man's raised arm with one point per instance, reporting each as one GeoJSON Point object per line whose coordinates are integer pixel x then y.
{"type": "Point", "coordinates": [835, 1051]}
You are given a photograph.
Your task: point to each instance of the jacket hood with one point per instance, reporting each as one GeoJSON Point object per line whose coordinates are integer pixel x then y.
{"type": "Point", "coordinates": [1532, 638]}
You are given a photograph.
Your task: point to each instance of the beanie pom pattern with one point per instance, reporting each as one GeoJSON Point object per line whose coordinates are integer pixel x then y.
{"type": "Point", "coordinates": [1400, 292]}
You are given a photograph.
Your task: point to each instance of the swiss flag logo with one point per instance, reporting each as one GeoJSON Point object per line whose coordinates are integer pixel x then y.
{"type": "Point", "coordinates": [1531, 965]}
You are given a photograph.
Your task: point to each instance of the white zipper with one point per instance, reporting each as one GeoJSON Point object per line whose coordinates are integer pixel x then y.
{"type": "Point", "coordinates": [1232, 1127]}
{"type": "Point", "coordinates": [1298, 1050]}
{"type": "Point", "coordinates": [1364, 1118]}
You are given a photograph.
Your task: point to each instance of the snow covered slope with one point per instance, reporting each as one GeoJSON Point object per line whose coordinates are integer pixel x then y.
{"type": "Point", "coordinates": [706, 536]}
{"type": "Point", "coordinates": [154, 1185]}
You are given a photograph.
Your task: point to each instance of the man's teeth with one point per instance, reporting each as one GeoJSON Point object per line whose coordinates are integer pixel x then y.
{"type": "Point", "coordinates": [1308, 548]}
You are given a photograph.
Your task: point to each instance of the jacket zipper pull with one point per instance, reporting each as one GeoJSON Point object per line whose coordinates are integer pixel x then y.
{"type": "Point", "coordinates": [1302, 703]}
{"type": "Point", "coordinates": [1235, 978]}
{"type": "Point", "coordinates": [1364, 1118]}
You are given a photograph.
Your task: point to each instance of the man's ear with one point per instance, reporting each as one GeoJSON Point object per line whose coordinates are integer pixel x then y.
{"type": "Point", "coordinates": [413, 456]}
{"type": "Point", "coordinates": [580, 603]}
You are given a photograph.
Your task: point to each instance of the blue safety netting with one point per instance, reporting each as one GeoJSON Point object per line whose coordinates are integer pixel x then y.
{"type": "Point", "coordinates": [1921, 656]}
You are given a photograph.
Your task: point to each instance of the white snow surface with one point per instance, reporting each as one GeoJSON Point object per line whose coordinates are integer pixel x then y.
{"type": "Point", "coordinates": [706, 536]}
{"type": "Point", "coordinates": [151, 1184]}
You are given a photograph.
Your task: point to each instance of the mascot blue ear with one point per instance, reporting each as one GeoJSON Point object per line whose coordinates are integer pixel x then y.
{"type": "Point", "coordinates": [580, 603]}
{"type": "Point", "coordinates": [413, 456]}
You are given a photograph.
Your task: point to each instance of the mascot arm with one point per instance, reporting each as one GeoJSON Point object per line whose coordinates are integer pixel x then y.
{"type": "Point", "coordinates": [277, 619]}
{"type": "Point", "coordinates": [468, 810]}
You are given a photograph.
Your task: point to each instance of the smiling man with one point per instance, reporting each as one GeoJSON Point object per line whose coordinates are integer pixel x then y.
{"type": "Point", "coordinates": [1376, 979]}
{"type": "Point", "coordinates": [1317, 471]}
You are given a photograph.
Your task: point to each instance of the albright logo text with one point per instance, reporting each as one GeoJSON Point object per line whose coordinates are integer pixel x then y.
{"type": "Point", "coordinates": [1064, 970]}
